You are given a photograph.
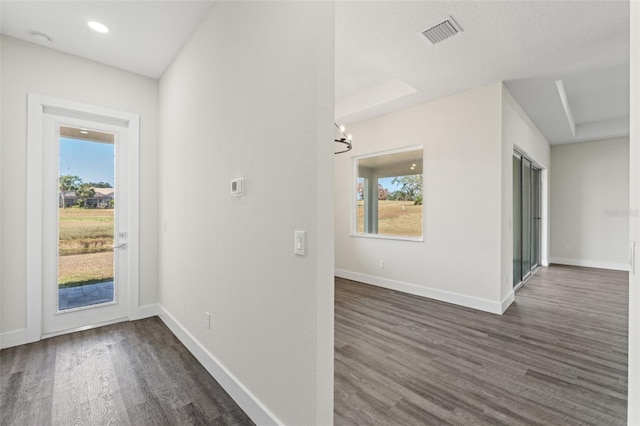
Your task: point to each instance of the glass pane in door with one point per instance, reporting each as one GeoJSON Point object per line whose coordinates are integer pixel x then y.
{"type": "Point", "coordinates": [517, 224]}
{"type": "Point", "coordinates": [535, 232]}
{"type": "Point", "coordinates": [526, 217]}
{"type": "Point", "coordinates": [85, 218]}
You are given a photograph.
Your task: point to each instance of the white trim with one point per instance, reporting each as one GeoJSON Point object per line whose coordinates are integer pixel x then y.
{"type": "Point", "coordinates": [34, 218]}
{"type": "Point", "coordinates": [615, 266]}
{"type": "Point", "coordinates": [353, 231]}
{"type": "Point", "coordinates": [19, 337]}
{"type": "Point", "coordinates": [13, 338]}
{"type": "Point", "coordinates": [245, 399]}
{"type": "Point", "coordinates": [147, 311]}
{"type": "Point", "coordinates": [133, 207]}
{"type": "Point", "coordinates": [633, 380]}
{"type": "Point", "coordinates": [567, 109]}
{"type": "Point", "coordinates": [388, 237]}
{"type": "Point", "coordinates": [508, 300]}
{"type": "Point", "coordinates": [84, 327]}
{"type": "Point", "coordinates": [432, 293]}
{"type": "Point", "coordinates": [390, 151]}
{"type": "Point", "coordinates": [37, 104]}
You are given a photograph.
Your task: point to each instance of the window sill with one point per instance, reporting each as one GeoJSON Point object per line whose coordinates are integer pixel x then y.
{"type": "Point", "coordinates": [390, 237]}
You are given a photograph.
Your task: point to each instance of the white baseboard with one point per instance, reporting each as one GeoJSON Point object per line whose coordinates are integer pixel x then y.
{"type": "Point", "coordinates": [431, 293]}
{"type": "Point", "coordinates": [511, 297]}
{"type": "Point", "coordinates": [19, 337]}
{"type": "Point", "coordinates": [240, 394]}
{"type": "Point", "coordinates": [590, 263]}
{"type": "Point", "coordinates": [147, 311]}
{"type": "Point", "coordinates": [13, 338]}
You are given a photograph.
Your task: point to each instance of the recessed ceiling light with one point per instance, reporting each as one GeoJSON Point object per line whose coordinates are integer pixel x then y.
{"type": "Point", "coordinates": [40, 38]}
{"type": "Point", "coordinates": [97, 26]}
{"type": "Point", "coordinates": [84, 132]}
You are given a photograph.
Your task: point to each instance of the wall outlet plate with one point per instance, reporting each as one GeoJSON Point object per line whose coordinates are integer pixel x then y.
{"type": "Point", "coordinates": [300, 243]}
{"type": "Point", "coordinates": [237, 187]}
{"type": "Point", "coordinates": [207, 320]}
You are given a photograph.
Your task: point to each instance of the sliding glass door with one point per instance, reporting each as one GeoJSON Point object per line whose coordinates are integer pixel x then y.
{"type": "Point", "coordinates": [535, 223]}
{"type": "Point", "coordinates": [517, 220]}
{"type": "Point", "coordinates": [526, 218]}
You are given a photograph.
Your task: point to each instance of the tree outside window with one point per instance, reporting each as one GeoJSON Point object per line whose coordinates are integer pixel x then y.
{"type": "Point", "coordinates": [389, 194]}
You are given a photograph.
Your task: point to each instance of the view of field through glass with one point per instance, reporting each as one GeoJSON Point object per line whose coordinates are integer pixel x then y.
{"type": "Point", "coordinates": [85, 208]}
{"type": "Point", "coordinates": [389, 194]}
{"type": "Point", "coordinates": [401, 218]}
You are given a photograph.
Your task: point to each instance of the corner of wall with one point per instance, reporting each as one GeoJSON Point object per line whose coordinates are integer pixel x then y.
{"type": "Point", "coordinates": [147, 311]}
{"type": "Point", "coordinates": [13, 338]}
{"type": "Point", "coordinates": [506, 238]}
{"type": "Point", "coordinates": [508, 300]}
{"type": "Point", "coordinates": [265, 349]}
{"type": "Point", "coordinates": [465, 134]}
{"type": "Point", "coordinates": [231, 384]}
{"type": "Point", "coordinates": [431, 293]}
{"type": "Point", "coordinates": [633, 413]}
{"type": "Point", "coordinates": [519, 131]}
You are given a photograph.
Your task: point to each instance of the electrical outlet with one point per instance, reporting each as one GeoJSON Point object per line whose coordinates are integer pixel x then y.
{"type": "Point", "coordinates": [381, 264]}
{"type": "Point", "coordinates": [207, 320]}
{"type": "Point", "coordinates": [300, 243]}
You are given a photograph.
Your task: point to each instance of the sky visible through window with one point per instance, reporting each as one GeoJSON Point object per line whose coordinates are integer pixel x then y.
{"type": "Point", "coordinates": [91, 161]}
{"type": "Point", "coordinates": [386, 183]}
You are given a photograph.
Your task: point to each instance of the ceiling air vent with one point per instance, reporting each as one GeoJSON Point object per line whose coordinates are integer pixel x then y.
{"type": "Point", "coordinates": [442, 31]}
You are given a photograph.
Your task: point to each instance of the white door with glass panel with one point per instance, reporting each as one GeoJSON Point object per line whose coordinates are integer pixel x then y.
{"type": "Point", "coordinates": [85, 223]}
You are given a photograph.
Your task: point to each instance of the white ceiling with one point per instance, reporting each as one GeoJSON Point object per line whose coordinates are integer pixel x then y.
{"type": "Point", "coordinates": [383, 63]}
{"type": "Point", "coordinates": [598, 101]}
{"type": "Point", "coordinates": [144, 36]}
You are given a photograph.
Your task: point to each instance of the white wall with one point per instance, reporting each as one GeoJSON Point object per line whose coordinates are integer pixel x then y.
{"type": "Point", "coordinates": [519, 132]}
{"type": "Point", "coordinates": [590, 204]}
{"type": "Point", "coordinates": [30, 68]}
{"type": "Point", "coordinates": [251, 94]}
{"type": "Point", "coordinates": [633, 398]}
{"type": "Point", "coordinates": [460, 258]}
{"type": "Point", "coordinates": [467, 253]}
{"type": "Point", "coordinates": [22, 331]}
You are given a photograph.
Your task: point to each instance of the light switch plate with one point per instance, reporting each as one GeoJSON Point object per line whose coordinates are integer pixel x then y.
{"type": "Point", "coordinates": [300, 243]}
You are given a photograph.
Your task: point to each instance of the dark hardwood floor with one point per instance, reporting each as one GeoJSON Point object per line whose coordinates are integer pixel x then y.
{"type": "Point", "coordinates": [558, 356]}
{"type": "Point", "coordinates": [132, 373]}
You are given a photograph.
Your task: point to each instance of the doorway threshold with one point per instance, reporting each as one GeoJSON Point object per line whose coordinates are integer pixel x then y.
{"type": "Point", "coordinates": [527, 278]}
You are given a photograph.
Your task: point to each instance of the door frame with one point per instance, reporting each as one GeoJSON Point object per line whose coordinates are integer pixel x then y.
{"type": "Point", "coordinates": [517, 153]}
{"type": "Point", "coordinates": [54, 320]}
{"type": "Point", "coordinates": [37, 106]}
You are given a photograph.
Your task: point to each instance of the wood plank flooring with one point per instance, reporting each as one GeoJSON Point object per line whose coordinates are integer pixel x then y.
{"type": "Point", "coordinates": [132, 373]}
{"type": "Point", "coordinates": [557, 357]}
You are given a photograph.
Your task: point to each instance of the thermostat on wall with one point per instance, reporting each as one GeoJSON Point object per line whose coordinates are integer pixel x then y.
{"type": "Point", "coordinates": [237, 187]}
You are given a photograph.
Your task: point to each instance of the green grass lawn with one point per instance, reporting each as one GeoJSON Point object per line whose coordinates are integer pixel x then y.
{"type": "Point", "coordinates": [84, 246]}
{"type": "Point", "coordinates": [401, 218]}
